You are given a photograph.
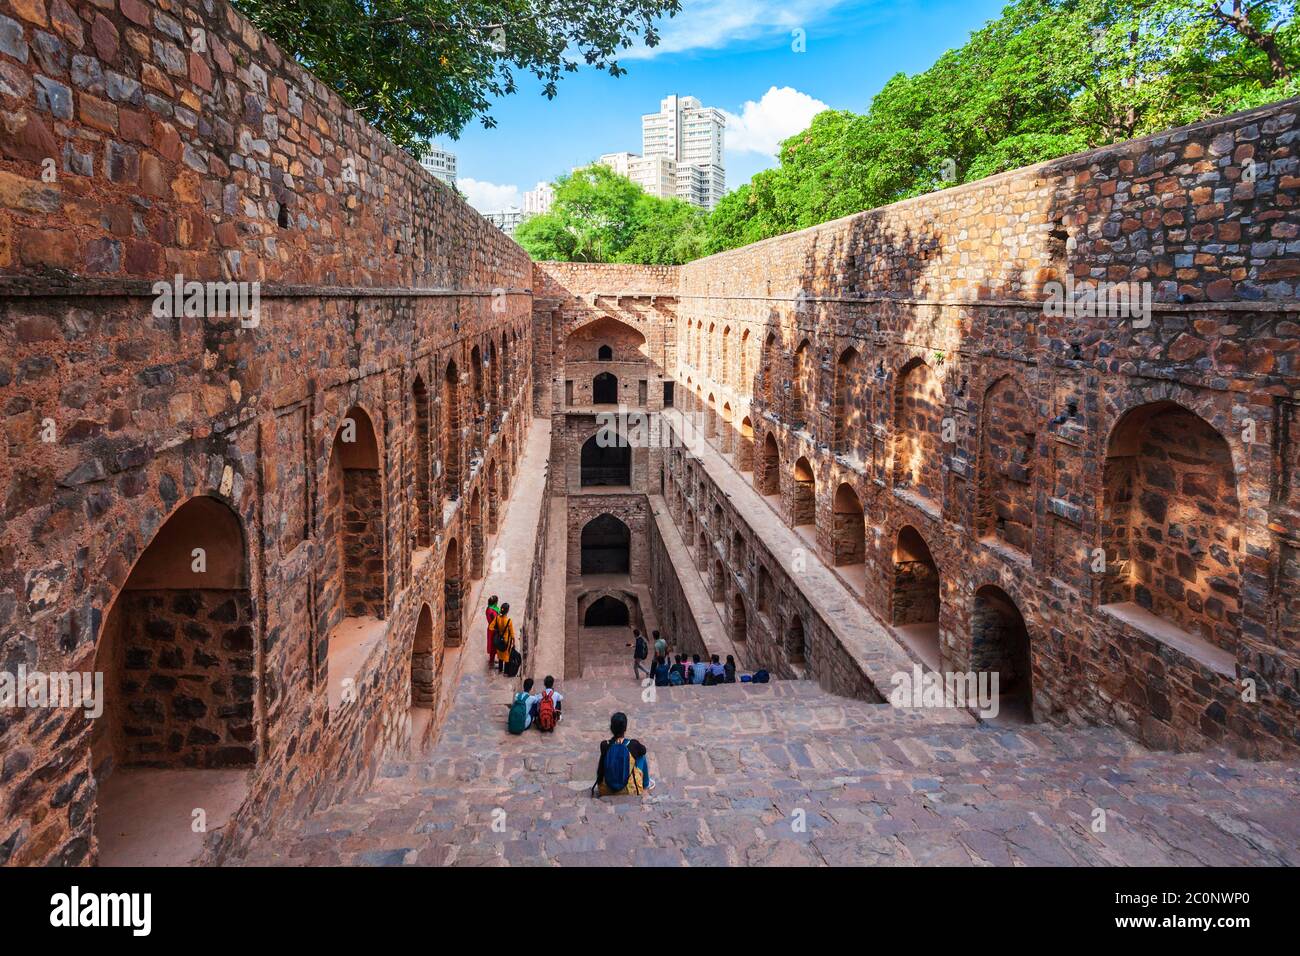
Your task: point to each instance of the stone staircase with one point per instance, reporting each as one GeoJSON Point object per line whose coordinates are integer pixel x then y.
{"type": "Point", "coordinates": [785, 773]}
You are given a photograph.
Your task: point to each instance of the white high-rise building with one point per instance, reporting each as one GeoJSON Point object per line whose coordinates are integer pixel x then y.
{"type": "Point", "coordinates": [539, 199]}
{"type": "Point", "coordinates": [692, 136]}
{"type": "Point", "coordinates": [440, 162]}
{"type": "Point", "coordinates": [507, 220]}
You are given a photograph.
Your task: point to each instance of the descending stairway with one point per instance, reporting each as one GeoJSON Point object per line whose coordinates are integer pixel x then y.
{"type": "Point", "coordinates": [785, 773]}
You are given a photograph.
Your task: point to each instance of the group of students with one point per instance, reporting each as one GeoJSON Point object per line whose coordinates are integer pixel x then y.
{"type": "Point", "coordinates": [668, 672]}
{"type": "Point", "coordinates": [501, 651]}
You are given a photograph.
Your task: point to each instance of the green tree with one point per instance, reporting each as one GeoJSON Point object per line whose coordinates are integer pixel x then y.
{"type": "Point", "coordinates": [600, 216]}
{"type": "Point", "coordinates": [416, 69]}
{"type": "Point", "coordinates": [1047, 78]}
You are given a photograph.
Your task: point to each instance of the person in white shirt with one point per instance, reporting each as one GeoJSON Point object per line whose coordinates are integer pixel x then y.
{"type": "Point", "coordinates": [535, 699]}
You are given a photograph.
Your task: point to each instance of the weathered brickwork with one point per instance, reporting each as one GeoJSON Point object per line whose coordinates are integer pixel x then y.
{"type": "Point", "coordinates": [387, 306]}
{"type": "Point", "coordinates": [1124, 479]}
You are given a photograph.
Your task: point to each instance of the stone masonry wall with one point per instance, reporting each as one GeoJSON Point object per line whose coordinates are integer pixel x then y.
{"type": "Point", "coordinates": [226, 163]}
{"type": "Point", "coordinates": [951, 287]}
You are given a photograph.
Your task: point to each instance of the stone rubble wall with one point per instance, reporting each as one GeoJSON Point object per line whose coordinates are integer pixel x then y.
{"type": "Point", "coordinates": [226, 163]}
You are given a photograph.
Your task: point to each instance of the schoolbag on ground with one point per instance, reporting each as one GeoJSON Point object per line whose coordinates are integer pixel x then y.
{"type": "Point", "coordinates": [517, 722]}
{"type": "Point", "coordinates": [760, 677]}
{"type": "Point", "coordinates": [546, 711]}
{"type": "Point", "coordinates": [642, 652]}
{"type": "Point", "coordinates": [514, 663]}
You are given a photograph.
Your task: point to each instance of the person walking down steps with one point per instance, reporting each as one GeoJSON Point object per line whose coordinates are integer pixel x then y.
{"type": "Point", "coordinates": [640, 651]}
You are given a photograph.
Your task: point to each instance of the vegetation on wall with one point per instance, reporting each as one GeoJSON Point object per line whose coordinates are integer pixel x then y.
{"type": "Point", "coordinates": [1047, 78]}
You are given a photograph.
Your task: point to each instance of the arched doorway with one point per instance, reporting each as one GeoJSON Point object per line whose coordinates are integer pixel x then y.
{"type": "Point", "coordinates": [1000, 645]}
{"type": "Point", "coordinates": [604, 389]}
{"type": "Point", "coordinates": [739, 619]}
{"type": "Point", "coordinates": [918, 412]}
{"type": "Point", "coordinates": [803, 503]}
{"type": "Point", "coordinates": [355, 518]}
{"type": "Point", "coordinates": [767, 476]}
{"type": "Point", "coordinates": [606, 546]}
{"type": "Point", "coordinates": [451, 595]}
{"type": "Point", "coordinates": [1006, 487]}
{"type": "Point", "coordinates": [610, 465]}
{"type": "Point", "coordinates": [476, 540]}
{"type": "Point", "coordinates": [849, 535]}
{"type": "Point", "coordinates": [914, 604]}
{"type": "Point", "coordinates": [847, 404]}
{"type": "Point", "coordinates": [177, 652]}
{"type": "Point", "coordinates": [606, 612]}
{"type": "Point", "coordinates": [745, 446]}
{"type": "Point", "coordinates": [423, 503]}
{"type": "Point", "coordinates": [796, 644]}
{"type": "Point", "coordinates": [1174, 536]}
{"type": "Point", "coordinates": [423, 664]}
{"type": "Point", "coordinates": [451, 432]}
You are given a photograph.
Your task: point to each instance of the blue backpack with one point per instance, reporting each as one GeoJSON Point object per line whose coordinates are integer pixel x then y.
{"type": "Point", "coordinates": [760, 677]}
{"type": "Point", "coordinates": [618, 765]}
{"type": "Point", "coordinates": [675, 678]}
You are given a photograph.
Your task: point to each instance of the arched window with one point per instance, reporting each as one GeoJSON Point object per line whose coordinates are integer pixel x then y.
{"type": "Point", "coordinates": [606, 546]}
{"type": "Point", "coordinates": [604, 389]}
{"type": "Point", "coordinates": [609, 465]}
{"type": "Point", "coordinates": [803, 505]}
{"type": "Point", "coordinates": [605, 354]}
{"type": "Point", "coordinates": [849, 536]}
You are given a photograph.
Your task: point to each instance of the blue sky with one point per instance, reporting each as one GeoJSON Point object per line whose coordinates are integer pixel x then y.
{"type": "Point", "coordinates": [733, 54]}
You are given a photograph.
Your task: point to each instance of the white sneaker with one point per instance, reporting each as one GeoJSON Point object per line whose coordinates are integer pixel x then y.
{"type": "Point", "coordinates": [652, 785]}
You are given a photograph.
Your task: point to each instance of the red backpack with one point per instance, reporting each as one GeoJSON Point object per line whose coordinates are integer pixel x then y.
{"type": "Point", "coordinates": [546, 711]}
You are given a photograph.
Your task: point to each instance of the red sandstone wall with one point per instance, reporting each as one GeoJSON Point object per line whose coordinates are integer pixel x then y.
{"type": "Point", "coordinates": [954, 281]}
{"type": "Point", "coordinates": [168, 160]}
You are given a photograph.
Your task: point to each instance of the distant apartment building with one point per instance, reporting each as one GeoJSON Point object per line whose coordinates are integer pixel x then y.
{"type": "Point", "coordinates": [507, 220]}
{"type": "Point", "coordinates": [539, 199]}
{"type": "Point", "coordinates": [657, 175]}
{"type": "Point", "coordinates": [691, 136]}
{"type": "Point", "coordinates": [440, 162]}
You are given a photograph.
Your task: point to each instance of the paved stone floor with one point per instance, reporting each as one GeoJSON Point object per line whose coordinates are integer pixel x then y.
{"type": "Point", "coordinates": [788, 774]}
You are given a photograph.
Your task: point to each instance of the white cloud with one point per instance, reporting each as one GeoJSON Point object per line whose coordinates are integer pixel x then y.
{"type": "Point", "coordinates": [490, 197]}
{"type": "Point", "coordinates": [714, 24]}
{"type": "Point", "coordinates": [761, 126]}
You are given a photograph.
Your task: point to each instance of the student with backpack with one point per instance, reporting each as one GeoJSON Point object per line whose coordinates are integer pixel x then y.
{"type": "Point", "coordinates": [677, 673]}
{"type": "Point", "coordinates": [640, 651]}
{"type": "Point", "coordinates": [544, 708]}
{"type": "Point", "coordinates": [660, 672]}
{"type": "Point", "coordinates": [492, 610]}
{"type": "Point", "coordinates": [519, 719]}
{"type": "Point", "coordinates": [504, 640]}
{"type": "Point", "coordinates": [729, 670]}
{"type": "Point", "coordinates": [623, 766]}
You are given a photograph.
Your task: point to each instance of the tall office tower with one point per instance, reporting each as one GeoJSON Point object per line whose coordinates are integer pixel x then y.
{"type": "Point", "coordinates": [440, 162]}
{"type": "Point", "coordinates": [539, 199]}
{"type": "Point", "coordinates": [691, 135]}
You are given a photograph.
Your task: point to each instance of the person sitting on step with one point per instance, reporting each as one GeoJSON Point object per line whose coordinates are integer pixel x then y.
{"type": "Point", "coordinates": [537, 713]}
{"type": "Point", "coordinates": [717, 671]}
{"type": "Point", "coordinates": [660, 671]}
{"type": "Point", "coordinates": [729, 670]}
{"type": "Point", "coordinates": [698, 670]}
{"type": "Point", "coordinates": [624, 765]}
{"type": "Point", "coordinates": [677, 673]}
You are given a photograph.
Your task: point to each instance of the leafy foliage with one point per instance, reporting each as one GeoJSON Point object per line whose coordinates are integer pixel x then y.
{"type": "Point", "coordinates": [416, 69]}
{"type": "Point", "coordinates": [1047, 78]}
{"type": "Point", "coordinates": [600, 216]}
